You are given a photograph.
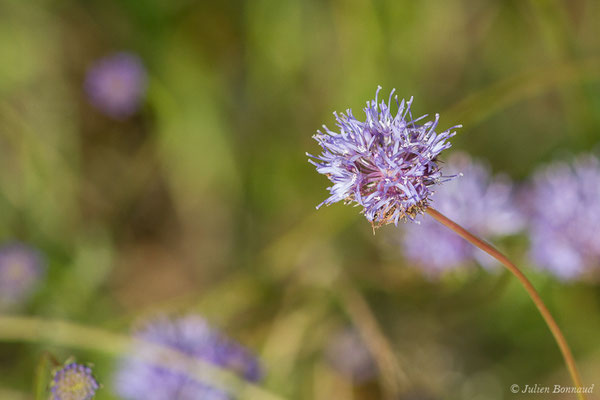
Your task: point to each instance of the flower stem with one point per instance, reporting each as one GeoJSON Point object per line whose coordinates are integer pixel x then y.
{"type": "Point", "coordinates": [558, 336]}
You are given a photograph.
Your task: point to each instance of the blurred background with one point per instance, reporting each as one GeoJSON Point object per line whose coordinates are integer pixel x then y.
{"type": "Point", "coordinates": [195, 196]}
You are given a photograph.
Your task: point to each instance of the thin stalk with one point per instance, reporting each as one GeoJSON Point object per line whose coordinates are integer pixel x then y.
{"type": "Point", "coordinates": [393, 377]}
{"type": "Point", "coordinates": [556, 332]}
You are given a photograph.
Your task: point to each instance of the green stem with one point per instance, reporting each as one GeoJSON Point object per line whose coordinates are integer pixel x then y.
{"type": "Point", "coordinates": [42, 375]}
{"type": "Point", "coordinates": [62, 333]}
{"type": "Point", "coordinates": [558, 336]}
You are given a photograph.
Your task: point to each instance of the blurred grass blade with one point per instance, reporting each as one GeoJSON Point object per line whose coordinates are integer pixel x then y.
{"type": "Point", "coordinates": [75, 336]}
{"type": "Point", "coordinates": [484, 103]}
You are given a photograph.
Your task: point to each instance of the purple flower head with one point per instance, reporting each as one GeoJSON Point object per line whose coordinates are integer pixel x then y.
{"type": "Point", "coordinates": [476, 200]}
{"type": "Point", "coordinates": [194, 337]}
{"type": "Point", "coordinates": [564, 218]}
{"type": "Point", "coordinates": [21, 267]}
{"type": "Point", "coordinates": [73, 382]}
{"type": "Point", "coordinates": [116, 84]}
{"type": "Point", "coordinates": [386, 164]}
{"type": "Point", "coordinates": [348, 354]}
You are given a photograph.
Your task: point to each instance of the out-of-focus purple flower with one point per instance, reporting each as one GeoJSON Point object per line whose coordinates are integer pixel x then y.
{"type": "Point", "coordinates": [348, 354]}
{"type": "Point", "coordinates": [386, 164]}
{"type": "Point", "coordinates": [21, 267]}
{"type": "Point", "coordinates": [477, 201]}
{"type": "Point", "coordinates": [73, 382]}
{"type": "Point", "coordinates": [194, 337]}
{"type": "Point", "coordinates": [564, 218]}
{"type": "Point", "coordinates": [116, 84]}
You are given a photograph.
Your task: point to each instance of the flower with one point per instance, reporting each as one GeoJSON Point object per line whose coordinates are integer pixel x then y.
{"type": "Point", "coordinates": [478, 201]}
{"type": "Point", "coordinates": [348, 354]}
{"type": "Point", "coordinates": [387, 164]}
{"type": "Point", "coordinates": [73, 382]}
{"type": "Point", "coordinates": [564, 217]}
{"type": "Point", "coordinates": [192, 336]}
{"type": "Point", "coordinates": [116, 84]}
{"type": "Point", "coordinates": [21, 267]}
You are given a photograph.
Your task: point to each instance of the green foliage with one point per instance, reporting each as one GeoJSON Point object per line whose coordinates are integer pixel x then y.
{"type": "Point", "coordinates": [203, 200]}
